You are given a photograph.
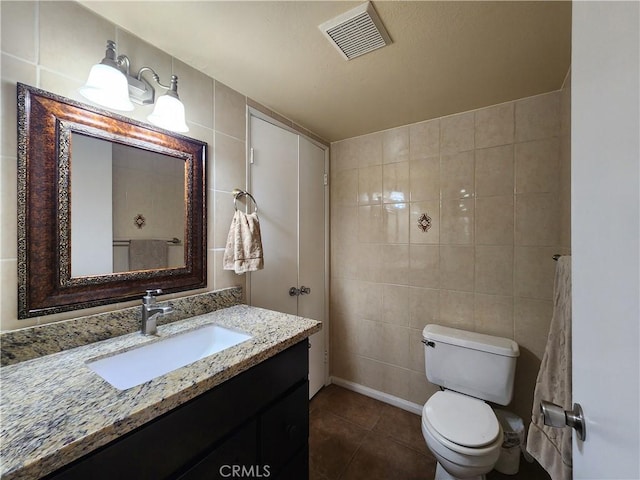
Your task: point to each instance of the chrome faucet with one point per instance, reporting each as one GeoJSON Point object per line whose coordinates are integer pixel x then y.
{"type": "Point", "coordinates": [151, 309]}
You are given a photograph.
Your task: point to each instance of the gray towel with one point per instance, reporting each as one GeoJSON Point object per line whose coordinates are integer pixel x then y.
{"type": "Point", "coordinates": [147, 254]}
{"type": "Point", "coordinates": [552, 446]}
{"type": "Point", "coordinates": [243, 252]}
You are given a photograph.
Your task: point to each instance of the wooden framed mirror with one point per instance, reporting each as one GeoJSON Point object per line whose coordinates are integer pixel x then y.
{"type": "Point", "coordinates": [107, 207]}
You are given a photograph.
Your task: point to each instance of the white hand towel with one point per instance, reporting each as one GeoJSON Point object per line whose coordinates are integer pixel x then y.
{"type": "Point", "coordinates": [243, 252]}
{"type": "Point", "coordinates": [552, 446]}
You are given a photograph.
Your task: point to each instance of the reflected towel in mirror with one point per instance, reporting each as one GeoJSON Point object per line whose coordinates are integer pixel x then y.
{"type": "Point", "coordinates": [147, 254]}
{"type": "Point", "coordinates": [243, 252]}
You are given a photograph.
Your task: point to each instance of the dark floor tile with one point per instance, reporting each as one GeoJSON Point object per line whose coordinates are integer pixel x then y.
{"type": "Point", "coordinates": [381, 458]}
{"type": "Point", "coordinates": [355, 437]}
{"type": "Point", "coordinates": [315, 475]}
{"type": "Point", "coordinates": [321, 398]}
{"type": "Point", "coordinates": [332, 443]}
{"type": "Point", "coordinates": [359, 409]}
{"type": "Point", "coordinates": [404, 427]}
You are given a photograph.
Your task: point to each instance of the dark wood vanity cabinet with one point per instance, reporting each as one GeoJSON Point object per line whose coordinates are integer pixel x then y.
{"type": "Point", "coordinates": [255, 425]}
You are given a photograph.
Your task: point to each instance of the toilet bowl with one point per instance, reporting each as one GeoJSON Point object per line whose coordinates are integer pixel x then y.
{"type": "Point", "coordinates": [463, 433]}
{"type": "Point", "coordinates": [460, 429]}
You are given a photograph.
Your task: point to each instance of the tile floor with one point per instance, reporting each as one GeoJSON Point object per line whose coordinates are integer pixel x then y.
{"type": "Point", "coordinates": [355, 437]}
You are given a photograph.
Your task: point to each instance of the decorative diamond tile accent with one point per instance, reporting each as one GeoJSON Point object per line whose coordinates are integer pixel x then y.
{"type": "Point", "coordinates": [139, 221]}
{"type": "Point", "coordinates": [424, 222]}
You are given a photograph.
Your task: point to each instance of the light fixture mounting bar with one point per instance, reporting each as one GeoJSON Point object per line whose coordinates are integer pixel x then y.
{"type": "Point", "coordinates": [110, 84]}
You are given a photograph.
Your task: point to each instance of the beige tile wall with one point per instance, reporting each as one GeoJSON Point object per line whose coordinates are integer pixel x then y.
{"type": "Point", "coordinates": [494, 182]}
{"type": "Point", "coordinates": [52, 45]}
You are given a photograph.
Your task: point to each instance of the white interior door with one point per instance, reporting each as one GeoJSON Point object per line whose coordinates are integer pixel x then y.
{"type": "Point", "coordinates": [274, 185]}
{"type": "Point", "coordinates": [606, 237]}
{"type": "Point", "coordinates": [287, 180]}
{"type": "Point", "coordinates": [312, 253]}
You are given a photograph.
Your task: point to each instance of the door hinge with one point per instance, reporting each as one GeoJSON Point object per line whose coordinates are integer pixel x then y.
{"type": "Point", "coordinates": [326, 180]}
{"type": "Point", "coordinates": [251, 155]}
{"type": "Point", "coordinates": [326, 356]}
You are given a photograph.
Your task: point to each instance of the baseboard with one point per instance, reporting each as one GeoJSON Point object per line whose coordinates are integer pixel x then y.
{"type": "Point", "coordinates": [378, 395]}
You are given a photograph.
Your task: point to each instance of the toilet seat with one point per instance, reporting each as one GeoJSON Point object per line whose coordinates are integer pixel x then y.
{"type": "Point", "coordinates": [463, 423]}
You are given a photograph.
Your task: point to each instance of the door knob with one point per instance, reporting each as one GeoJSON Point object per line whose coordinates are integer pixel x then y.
{"type": "Point", "coordinates": [555, 416]}
{"type": "Point", "coordinates": [294, 292]}
{"type": "Point", "coordinates": [305, 290]}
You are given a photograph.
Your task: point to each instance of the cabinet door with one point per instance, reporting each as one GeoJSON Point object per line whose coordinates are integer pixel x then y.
{"type": "Point", "coordinates": [236, 454]}
{"type": "Point", "coordinates": [285, 429]}
{"type": "Point", "coordinates": [297, 468]}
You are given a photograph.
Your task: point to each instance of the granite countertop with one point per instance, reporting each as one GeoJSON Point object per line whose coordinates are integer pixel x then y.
{"type": "Point", "coordinates": [55, 410]}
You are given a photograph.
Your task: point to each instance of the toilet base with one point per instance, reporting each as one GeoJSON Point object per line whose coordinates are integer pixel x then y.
{"type": "Point", "coordinates": [442, 474]}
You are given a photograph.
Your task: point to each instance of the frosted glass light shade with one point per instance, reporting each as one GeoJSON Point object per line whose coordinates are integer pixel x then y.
{"type": "Point", "coordinates": [169, 113]}
{"type": "Point", "coordinates": [107, 86]}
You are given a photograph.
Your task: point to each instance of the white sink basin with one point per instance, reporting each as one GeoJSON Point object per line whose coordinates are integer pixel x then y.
{"type": "Point", "coordinates": [139, 365]}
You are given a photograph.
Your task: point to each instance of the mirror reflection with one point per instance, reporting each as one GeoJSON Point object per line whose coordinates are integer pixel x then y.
{"type": "Point", "coordinates": [128, 208]}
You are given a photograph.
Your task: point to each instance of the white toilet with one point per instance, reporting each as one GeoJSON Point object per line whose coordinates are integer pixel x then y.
{"type": "Point", "coordinates": [460, 429]}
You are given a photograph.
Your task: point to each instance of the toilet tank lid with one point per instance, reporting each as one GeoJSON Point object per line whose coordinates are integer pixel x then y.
{"type": "Point", "coordinates": [476, 341]}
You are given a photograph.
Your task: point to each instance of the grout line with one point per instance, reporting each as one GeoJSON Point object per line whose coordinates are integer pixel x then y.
{"type": "Point", "coordinates": [513, 216]}
{"type": "Point", "coordinates": [326, 412]}
{"type": "Point", "coordinates": [353, 456]}
{"type": "Point", "coordinates": [383, 436]}
{"type": "Point", "coordinates": [345, 419]}
{"type": "Point", "coordinates": [409, 446]}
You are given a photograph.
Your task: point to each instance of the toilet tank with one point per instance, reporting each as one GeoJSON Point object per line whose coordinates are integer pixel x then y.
{"type": "Point", "coordinates": [482, 366]}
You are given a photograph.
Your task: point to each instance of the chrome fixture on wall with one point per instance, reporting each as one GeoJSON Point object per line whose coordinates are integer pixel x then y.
{"type": "Point", "coordinates": [238, 194]}
{"type": "Point", "coordinates": [111, 85]}
{"type": "Point", "coordinates": [556, 416]}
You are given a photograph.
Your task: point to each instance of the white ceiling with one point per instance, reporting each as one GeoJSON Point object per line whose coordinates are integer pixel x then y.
{"type": "Point", "coordinates": [446, 56]}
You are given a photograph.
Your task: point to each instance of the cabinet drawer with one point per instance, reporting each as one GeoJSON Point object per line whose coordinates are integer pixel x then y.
{"type": "Point", "coordinates": [234, 454]}
{"type": "Point", "coordinates": [284, 428]}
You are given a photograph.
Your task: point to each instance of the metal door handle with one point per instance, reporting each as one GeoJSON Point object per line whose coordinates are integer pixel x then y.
{"type": "Point", "coordinates": [293, 291]}
{"type": "Point", "coordinates": [555, 416]}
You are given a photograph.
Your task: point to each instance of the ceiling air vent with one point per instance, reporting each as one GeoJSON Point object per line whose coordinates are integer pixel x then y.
{"type": "Point", "coordinates": [356, 32]}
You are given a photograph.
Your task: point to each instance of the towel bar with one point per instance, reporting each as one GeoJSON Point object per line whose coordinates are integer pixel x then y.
{"type": "Point", "coordinates": [238, 193]}
{"type": "Point", "coordinates": [173, 241]}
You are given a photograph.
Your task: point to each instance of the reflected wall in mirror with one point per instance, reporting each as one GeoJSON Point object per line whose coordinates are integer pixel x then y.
{"type": "Point", "coordinates": [112, 185]}
{"type": "Point", "coordinates": [107, 207]}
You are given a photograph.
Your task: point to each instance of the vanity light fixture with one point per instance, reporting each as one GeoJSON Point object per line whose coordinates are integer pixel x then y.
{"type": "Point", "coordinates": [111, 85]}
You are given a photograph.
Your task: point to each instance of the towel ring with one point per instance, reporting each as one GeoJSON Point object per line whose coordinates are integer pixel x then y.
{"type": "Point", "coordinates": [237, 193]}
